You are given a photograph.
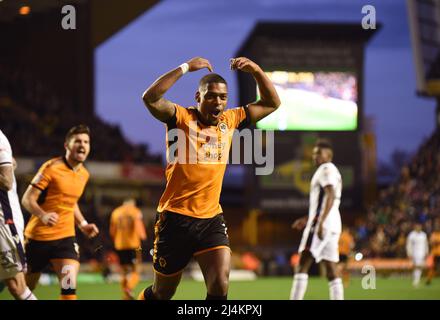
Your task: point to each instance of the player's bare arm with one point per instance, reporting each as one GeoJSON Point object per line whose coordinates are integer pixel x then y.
{"type": "Point", "coordinates": [30, 203]}
{"type": "Point", "coordinates": [330, 198]}
{"type": "Point", "coordinates": [89, 229]}
{"type": "Point", "coordinates": [6, 177]}
{"type": "Point", "coordinates": [112, 229]}
{"type": "Point", "coordinates": [269, 100]}
{"type": "Point", "coordinates": [161, 108]}
{"type": "Point", "coordinates": [140, 229]}
{"type": "Point", "coordinates": [300, 223]}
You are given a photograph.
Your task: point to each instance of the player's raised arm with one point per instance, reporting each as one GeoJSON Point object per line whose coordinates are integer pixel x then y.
{"type": "Point", "coordinates": [269, 100]}
{"type": "Point", "coordinates": [161, 108]}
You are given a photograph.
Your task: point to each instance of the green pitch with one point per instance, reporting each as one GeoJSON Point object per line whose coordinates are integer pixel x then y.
{"type": "Point", "coordinates": [262, 289]}
{"type": "Point", "coordinates": [303, 115]}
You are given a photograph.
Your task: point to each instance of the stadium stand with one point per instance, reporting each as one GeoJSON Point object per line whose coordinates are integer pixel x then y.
{"type": "Point", "coordinates": [415, 197]}
{"type": "Point", "coordinates": [33, 113]}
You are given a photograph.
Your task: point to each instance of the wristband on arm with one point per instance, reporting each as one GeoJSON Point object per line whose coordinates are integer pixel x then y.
{"type": "Point", "coordinates": [184, 67]}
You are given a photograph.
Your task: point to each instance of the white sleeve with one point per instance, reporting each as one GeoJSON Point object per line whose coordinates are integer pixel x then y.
{"type": "Point", "coordinates": [5, 152]}
{"type": "Point", "coordinates": [408, 245]}
{"type": "Point", "coordinates": [328, 176]}
{"type": "Point", "coordinates": [426, 245]}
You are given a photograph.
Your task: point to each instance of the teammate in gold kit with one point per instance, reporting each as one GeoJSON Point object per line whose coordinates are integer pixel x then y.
{"type": "Point", "coordinates": [190, 220]}
{"type": "Point", "coordinates": [52, 199]}
{"type": "Point", "coordinates": [128, 231]}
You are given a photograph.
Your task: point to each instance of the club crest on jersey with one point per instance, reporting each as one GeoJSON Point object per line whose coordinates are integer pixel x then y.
{"type": "Point", "coordinates": [162, 262]}
{"type": "Point", "coordinates": [223, 127]}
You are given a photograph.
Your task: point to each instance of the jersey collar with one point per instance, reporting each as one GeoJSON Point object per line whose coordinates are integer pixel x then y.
{"type": "Point", "coordinates": [69, 166]}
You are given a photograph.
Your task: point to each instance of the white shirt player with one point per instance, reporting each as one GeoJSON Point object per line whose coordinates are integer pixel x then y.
{"type": "Point", "coordinates": [326, 247]}
{"type": "Point", "coordinates": [417, 245]}
{"type": "Point", "coordinates": [10, 198]}
{"type": "Point", "coordinates": [326, 174]}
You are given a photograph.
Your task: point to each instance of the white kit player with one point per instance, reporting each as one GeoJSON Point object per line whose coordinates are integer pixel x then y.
{"type": "Point", "coordinates": [12, 257]}
{"type": "Point", "coordinates": [417, 249]}
{"type": "Point", "coordinates": [322, 226]}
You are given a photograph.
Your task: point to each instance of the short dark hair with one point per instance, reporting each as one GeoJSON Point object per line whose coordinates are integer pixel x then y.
{"type": "Point", "coordinates": [324, 144]}
{"type": "Point", "coordinates": [81, 128]}
{"type": "Point", "coordinates": [212, 78]}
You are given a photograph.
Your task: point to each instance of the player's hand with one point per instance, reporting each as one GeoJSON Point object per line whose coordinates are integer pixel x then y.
{"type": "Point", "coordinates": [198, 63]}
{"type": "Point", "coordinates": [49, 219]}
{"type": "Point", "coordinates": [90, 230]}
{"type": "Point", "coordinates": [244, 64]}
{"type": "Point", "coordinates": [299, 224]}
{"type": "Point", "coordinates": [320, 231]}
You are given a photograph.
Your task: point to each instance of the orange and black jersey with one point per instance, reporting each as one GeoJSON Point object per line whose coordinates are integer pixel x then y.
{"type": "Point", "coordinates": [61, 188]}
{"type": "Point", "coordinates": [197, 155]}
{"type": "Point", "coordinates": [346, 243]}
{"type": "Point", "coordinates": [126, 227]}
{"type": "Point", "coordinates": [434, 240]}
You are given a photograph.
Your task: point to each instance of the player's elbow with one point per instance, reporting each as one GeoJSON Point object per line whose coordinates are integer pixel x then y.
{"type": "Point", "coordinates": [25, 201]}
{"type": "Point", "coordinates": [272, 103]}
{"type": "Point", "coordinates": [145, 96]}
{"type": "Point", "coordinates": [149, 97]}
{"type": "Point", "coordinates": [6, 178]}
{"type": "Point", "coordinates": [6, 184]}
{"type": "Point", "coordinates": [151, 102]}
{"type": "Point", "coordinates": [276, 102]}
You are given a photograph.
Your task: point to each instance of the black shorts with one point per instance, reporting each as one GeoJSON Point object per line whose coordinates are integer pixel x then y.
{"type": "Point", "coordinates": [343, 258]}
{"type": "Point", "coordinates": [127, 256]}
{"type": "Point", "coordinates": [39, 253]}
{"type": "Point", "coordinates": [179, 237]}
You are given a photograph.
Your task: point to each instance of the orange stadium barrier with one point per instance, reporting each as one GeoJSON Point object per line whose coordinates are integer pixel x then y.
{"type": "Point", "coordinates": [382, 264]}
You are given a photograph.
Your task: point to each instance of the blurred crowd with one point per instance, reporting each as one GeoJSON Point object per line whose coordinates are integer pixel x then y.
{"type": "Point", "coordinates": [36, 120]}
{"type": "Point", "coordinates": [415, 197]}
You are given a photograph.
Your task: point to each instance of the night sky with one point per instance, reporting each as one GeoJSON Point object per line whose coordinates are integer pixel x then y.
{"type": "Point", "coordinates": [174, 31]}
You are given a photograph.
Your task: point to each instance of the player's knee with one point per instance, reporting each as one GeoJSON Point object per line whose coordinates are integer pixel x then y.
{"type": "Point", "coordinates": [302, 269]}
{"type": "Point", "coordinates": [218, 286]}
{"type": "Point", "coordinates": [331, 274]}
{"type": "Point", "coordinates": [331, 277]}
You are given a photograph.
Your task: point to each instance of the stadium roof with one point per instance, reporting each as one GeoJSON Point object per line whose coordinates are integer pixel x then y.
{"type": "Point", "coordinates": [107, 16]}
{"type": "Point", "coordinates": [352, 32]}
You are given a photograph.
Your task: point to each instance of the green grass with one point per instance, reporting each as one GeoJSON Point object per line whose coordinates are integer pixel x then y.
{"type": "Point", "coordinates": [298, 113]}
{"type": "Point", "coordinates": [261, 289]}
